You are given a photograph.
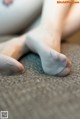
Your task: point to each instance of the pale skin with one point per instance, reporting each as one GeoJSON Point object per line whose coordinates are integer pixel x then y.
{"type": "Point", "coordinates": [47, 36]}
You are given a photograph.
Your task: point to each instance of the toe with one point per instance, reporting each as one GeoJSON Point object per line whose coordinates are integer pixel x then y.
{"type": "Point", "coordinates": [66, 71]}
{"type": "Point", "coordinates": [55, 63]}
{"type": "Point", "coordinates": [10, 66]}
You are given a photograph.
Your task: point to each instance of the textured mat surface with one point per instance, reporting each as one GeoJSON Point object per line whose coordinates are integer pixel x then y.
{"type": "Point", "coordinates": [35, 95]}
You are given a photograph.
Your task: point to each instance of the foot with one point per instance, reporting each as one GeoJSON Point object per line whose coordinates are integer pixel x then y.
{"type": "Point", "coordinates": [10, 52]}
{"type": "Point", "coordinates": [10, 66]}
{"type": "Point", "coordinates": [7, 2]}
{"type": "Point", "coordinates": [48, 48]}
{"type": "Point", "coordinates": [40, 42]}
{"type": "Point", "coordinates": [14, 47]}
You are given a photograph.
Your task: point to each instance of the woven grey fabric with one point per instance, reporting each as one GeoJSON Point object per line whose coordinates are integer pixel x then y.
{"type": "Point", "coordinates": [35, 95]}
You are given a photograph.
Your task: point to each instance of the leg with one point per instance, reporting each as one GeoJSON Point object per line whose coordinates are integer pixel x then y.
{"type": "Point", "coordinates": [45, 40]}
{"type": "Point", "coordinates": [72, 22]}
{"type": "Point", "coordinates": [18, 15]}
{"type": "Point", "coordinates": [48, 46]}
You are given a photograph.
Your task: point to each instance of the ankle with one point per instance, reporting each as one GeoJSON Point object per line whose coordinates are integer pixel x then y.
{"type": "Point", "coordinates": [52, 26]}
{"type": "Point", "coordinates": [54, 37]}
{"type": "Point", "coordinates": [53, 32]}
{"type": "Point", "coordinates": [19, 45]}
